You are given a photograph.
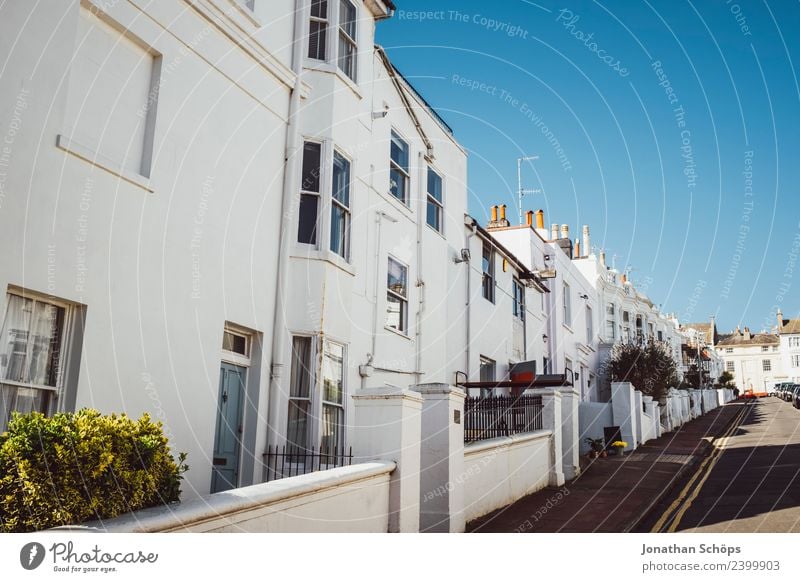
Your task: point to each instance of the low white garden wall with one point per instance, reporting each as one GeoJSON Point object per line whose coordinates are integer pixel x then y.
{"type": "Point", "coordinates": [500, 471]}
{"type": "Point", "coordinates": [345, 499]}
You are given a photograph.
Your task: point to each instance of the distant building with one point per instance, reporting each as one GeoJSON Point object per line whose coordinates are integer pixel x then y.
{"type": "Point", "coordinates": [754, 359]}
{"type": "Point", "coordinates": [789, 334]}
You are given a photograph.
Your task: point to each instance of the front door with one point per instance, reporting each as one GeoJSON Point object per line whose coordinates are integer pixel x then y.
{"type": "Point", "coordinates": [227, 439]}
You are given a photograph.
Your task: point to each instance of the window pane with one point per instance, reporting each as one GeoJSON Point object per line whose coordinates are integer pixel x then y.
{"type": "Point", "coordinates": [347, 18]}
{"type": "Point", "coordinates": [399, 152]}
{"type": "Point", "coordinates": [317, 37]}
{"type": "Point", "coordinates": [301, 368]}
{"type": "Point", "coordinates": [307, 231]}
{"type": "Point", "coordinates": [232, 342]}
{"type": "Point", "coordinates": [341, 179]}
{"type": "Point", "coordinates": [397, 184]}
{"type": "Point", "coordinates": [332, 422]}
{"type": "Point", "coordinates": [22, 400]}
{"type": "Point", "coordinates": [311, 167]}
{"type": "Point", "coordinates": [434, 215]}
{"type": "Point", "coordinates": [397, 275]}
{"type": "Point", "coordinates": [434, 185]}
{"type": "Point", "coordinates": [319, 8]}
{"type": "Point", "coordinates": [340, 231]}
{"type": "Point", "coordinates": [395, 312]}
{"type": "Point", "coordinates": [297, 428]}
{"type": "Point", "coordinates": [347, 57]}
{"type": "Point", "coordinates": [333, 373]}
{"type": "Point", "coordinates": [14, 346]}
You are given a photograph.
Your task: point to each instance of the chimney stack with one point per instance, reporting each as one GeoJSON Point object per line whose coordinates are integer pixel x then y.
{"type": "Point", "coordinates": [624, 278]}
{"type": "Point", "coordinates": [602, 258]}
{"type": "Point", "coordinates": [586, 241]}
{"type": "Point", "coordinates": [498, 221]}
{"type": "Point", "coordinates": [529, 218]}
{"type": "Point", "coordinates": [564, 231]}
{"type": "Point", "coordinates": [577, 248]}
{"type": "Point", "coordinates": [553, 232]}
{"type": "Point", "coordinates": [780, 321]}
{"type": "Point", "coordinates": [540, 218]}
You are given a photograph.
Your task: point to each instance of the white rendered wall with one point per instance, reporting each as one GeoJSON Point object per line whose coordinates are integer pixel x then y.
{"type": "Point", "coordinates": [351, 499]}
{"type": "Point", "coordinates": [499, 471]}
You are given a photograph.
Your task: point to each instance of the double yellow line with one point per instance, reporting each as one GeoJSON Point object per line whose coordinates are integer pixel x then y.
{"type": "Point", "coordinates": [691, 490]}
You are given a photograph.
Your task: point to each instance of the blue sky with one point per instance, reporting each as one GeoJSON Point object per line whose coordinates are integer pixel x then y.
{"type": "Point", "coordinates": [672, 128]}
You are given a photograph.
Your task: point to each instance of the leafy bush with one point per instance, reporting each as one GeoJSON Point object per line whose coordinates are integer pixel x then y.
{"type": "Point", "coordinates": [74, 467]}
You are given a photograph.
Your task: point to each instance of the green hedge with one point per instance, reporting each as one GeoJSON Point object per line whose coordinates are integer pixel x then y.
{"type": "Point", "coordinates": [75, 467]}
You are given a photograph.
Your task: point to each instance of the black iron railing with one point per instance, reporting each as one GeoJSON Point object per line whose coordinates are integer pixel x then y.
{"type": "Point", "coordinates": [280, 462]}
{"type": "Point", "coordinates": [496, 416]}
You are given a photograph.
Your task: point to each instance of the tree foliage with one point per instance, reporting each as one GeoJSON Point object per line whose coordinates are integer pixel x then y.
{"type": "Point", "coordinates": [650, 367]}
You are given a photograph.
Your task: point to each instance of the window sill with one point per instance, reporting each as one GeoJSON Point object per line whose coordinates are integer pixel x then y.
{"type": "Point", "coordinates": [332, 69]}
{"type": "Point", "coordinates": [78, 150]}
{"type": "Point", "coordinates": [439, 232]}
{"type": "Point", "coordinates": [568, 328]}
{"type": "Point", "coordinates": [398, 333]}
{"type": "Point", "coordinates": [312, 254]}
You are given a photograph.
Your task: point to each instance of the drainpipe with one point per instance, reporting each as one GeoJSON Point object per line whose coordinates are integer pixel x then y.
{"type": "Point", "coordinates": [420, 281]}
{"type": "Point", "coordinates": [290, 189]}
{"type": "Point", "coordinates": [379, 216]}
{"type": "Point", "coordinates": [467, 241]}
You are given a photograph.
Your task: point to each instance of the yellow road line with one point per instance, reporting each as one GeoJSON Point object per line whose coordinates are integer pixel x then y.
{"type": "Point", "coordinates": [712, 458]}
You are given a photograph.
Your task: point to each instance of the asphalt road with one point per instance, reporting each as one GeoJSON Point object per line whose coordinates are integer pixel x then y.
{"type": "Point", "coordinates": [749, 483]}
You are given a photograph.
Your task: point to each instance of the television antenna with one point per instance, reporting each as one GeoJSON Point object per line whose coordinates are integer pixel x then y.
{"type": "Point", "coordinates": [520, 191]}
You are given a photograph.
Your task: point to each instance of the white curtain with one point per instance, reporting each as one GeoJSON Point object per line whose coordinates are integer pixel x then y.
{"type": "Point", "coordinates": [14, 338]}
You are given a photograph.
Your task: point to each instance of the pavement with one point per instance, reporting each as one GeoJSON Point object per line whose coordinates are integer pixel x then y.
{"type": "Point", "coordinates": [750, 485]}
{"type": "Point", "coordinates": [615, 494]}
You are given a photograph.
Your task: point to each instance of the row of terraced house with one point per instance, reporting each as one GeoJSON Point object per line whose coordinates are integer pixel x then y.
{"type": "Point", "coordinates": [241, 218]}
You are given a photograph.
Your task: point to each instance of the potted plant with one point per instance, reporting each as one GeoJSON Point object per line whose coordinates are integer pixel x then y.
{"type": "Point", "coordinates": [596, 446]}
{"type": "Point", "coordinates": [619, 447]}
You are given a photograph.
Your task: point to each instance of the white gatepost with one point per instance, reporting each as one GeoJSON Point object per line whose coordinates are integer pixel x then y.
{"type": "Point", "coordinates": [622, 407]}
{"type": "Point", "coordinates": [639, 407]}
{"type": "Point", "coordinates": [570, 432]}
{"type": "Point", "coordinates": [441, 477]}
{"type": "Point", "coordinates": [551, 420]}
{"type": "Point", "coordinates": [387, 427]}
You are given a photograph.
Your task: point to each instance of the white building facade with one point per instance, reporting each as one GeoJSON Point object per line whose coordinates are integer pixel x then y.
{"type": "Point", "coordinates": [755, 360]}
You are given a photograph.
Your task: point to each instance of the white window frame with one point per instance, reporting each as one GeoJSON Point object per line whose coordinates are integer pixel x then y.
{"type": "Point", "coordinates": [518, 299]}
{"type": "Point", "coordinates": [728, 350]}
{"type": "Point", "coordinates": [486, 363]}
{"type": "Point", "coordinates": [344, 37]}
{"type": "Point", "coordinates": [325, 22]}
{"type": "Point", "coordinates": [347, 210]}
{"type": "Point", "coordinates": [438, 205]}
{"type": "Point", "coordinates": [766, 365]}
{"type": "Point", "coordinates": [488, 274]}
{"type": "Point", "coordinates": [323, 403]}
{"type": "Point", "coordinates": [611, 321]}
{"type": "Point", "coordinates": [321, 180]}
{"type": "Point", "coordinates": [404, 323]}
{"type": "Point", "coordinates": [795, 360]}
{"type": "Point", "coordinates": [236, 358]}
{"type": "Point", "coordinates": [57, 392]}
{"type": "Point", "coordinates": [589, 324]}
{"type": "Point", "coordinates": [567, 303]}
{"type": "Point", "coordinates": [730, 366]}
{"type": "Point", "coordinates": [404, 172]}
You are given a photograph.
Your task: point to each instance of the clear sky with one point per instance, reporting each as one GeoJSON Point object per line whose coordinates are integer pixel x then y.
{"type": "Point", "coordinates": [671, 127]}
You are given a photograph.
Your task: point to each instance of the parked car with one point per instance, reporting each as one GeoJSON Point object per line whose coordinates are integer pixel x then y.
{"type": "Point", "coordinates": [786, 390]}
{"type": "Point", "coordinates": [796, 396]}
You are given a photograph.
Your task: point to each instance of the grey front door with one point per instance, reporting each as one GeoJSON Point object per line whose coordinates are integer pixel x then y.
{"type": "Point", "coordinates": [227, 439]}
